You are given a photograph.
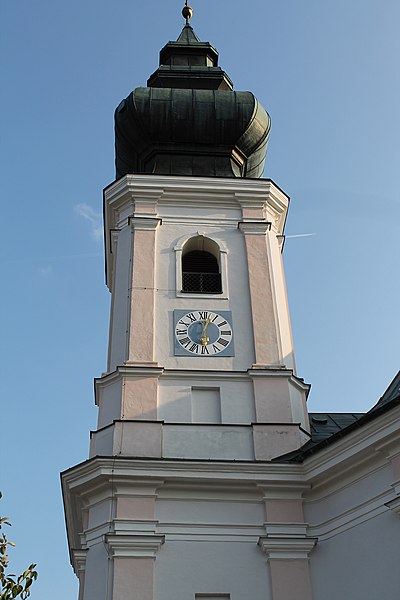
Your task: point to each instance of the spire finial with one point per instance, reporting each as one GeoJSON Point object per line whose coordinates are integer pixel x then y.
{"type": "Point", "coordinates": [187, 12]}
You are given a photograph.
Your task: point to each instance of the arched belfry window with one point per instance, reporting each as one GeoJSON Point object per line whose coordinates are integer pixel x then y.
{"type": "Point", "coordinates": [201, 272]}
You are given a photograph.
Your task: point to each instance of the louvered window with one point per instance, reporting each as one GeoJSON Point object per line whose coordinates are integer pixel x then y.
{"type": "Point", "coordinates": [200, 273]}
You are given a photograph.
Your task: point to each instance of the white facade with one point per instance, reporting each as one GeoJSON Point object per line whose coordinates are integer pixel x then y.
{"type": "Point", "coordinates": [149, 220]}
{"type": "Point", "coordinates": [181, 497]}
{"type": "Point", "coordinates": [165, 530]}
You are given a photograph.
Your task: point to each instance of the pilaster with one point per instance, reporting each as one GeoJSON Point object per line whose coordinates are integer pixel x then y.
{"type": "Point", "coordinates": [266, 347]}
{"type": "Point", "coordinates": [79, 565]}
{"type": "Point", "coordinates": [142, 291]}
{"type": "Point", "coordinates": [286, 544]}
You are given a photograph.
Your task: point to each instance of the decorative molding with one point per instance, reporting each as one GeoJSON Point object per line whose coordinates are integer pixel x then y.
{"type": "Point", "coordinates": [134, 546]}
{"type": "Point", "coordinates": [254, 227]}
{"type": "Point", "coordinates": [79, 560]}
{"type": "Point", "coordinates": [205, 375]}
{"type": "Point", "coordinates": [281, 242]}
{"type": "Point", "coordinates": [283, 490]}
{"type": "Point", "coordinates": [141, 364]}
{"type": "Point", "coordinates": [185, 238]}
{"type": "Point", "coordinates": [222, 250]}
{"type": "Point", "coordinates": [286, 548]}
{"type": "Point", "coordinates": [394, 505]}
{"type": "Point", "coordinates": [144, 223]}
{"type": "Point", "coordinates": [286, 530]}
{"type": "Point", "coordinates": [134, 527]}
{"type": "Point", "coordinates": [142, 196]}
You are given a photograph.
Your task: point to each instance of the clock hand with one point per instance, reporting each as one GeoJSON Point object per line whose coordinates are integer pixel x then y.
{"type": "Point", "coordinates": [204, 339]}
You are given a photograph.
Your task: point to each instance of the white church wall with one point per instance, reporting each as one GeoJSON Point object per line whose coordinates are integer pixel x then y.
{"type": "Point", "coordinates": [197, 507]}
{"type": "Point", "coordinates": [96, 572]}
{"type": "Point", "coordinates": [359, 564]}
{"type": "Point", "coordinates": [175, 398]}
{"type": "Point", "coordinates": [99, 514]}
{"type": "Point", "coordinates": [208, 442]}
{"type": "Point", "coordinates": [206, 404]}
{"type": "Point", "coordinates": [186, 568]}
{"type": "Point", "coordinates": [298, 405]}
{"type": "Point", "coordinates": [237, 402]}
{"type": "Point", "coordinates": [222, 228]}
{"type": "Point", "coordinates": [358, 535]}
{"type": "Point", "coordinates": [355, 496]}
{"type": "Point", "coordinates": [109, 399]}
{"type": "Point", "coordinates": [174, 401]}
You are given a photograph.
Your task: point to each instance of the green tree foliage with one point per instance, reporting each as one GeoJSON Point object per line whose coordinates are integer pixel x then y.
{"type": "Point", "coordinates": [12, 586]}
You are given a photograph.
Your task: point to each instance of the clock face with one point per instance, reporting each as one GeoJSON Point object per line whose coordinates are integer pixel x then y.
{"type": "Point", "coordinates": [203, 333]}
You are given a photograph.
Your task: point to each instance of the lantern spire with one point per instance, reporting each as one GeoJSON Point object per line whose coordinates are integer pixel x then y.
{"type": "Point", "coordinates": [187, 12]}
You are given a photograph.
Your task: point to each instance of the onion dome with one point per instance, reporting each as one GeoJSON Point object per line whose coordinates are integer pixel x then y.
{"type": "Point", "coordinates": [189, 120]}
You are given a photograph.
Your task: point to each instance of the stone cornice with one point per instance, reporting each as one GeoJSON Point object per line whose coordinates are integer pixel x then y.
{"type": "Point", "coordinates": [286, 530]}
{"type": "Point", "coordinates": [286, 548]}
{"type": "Point", "coordinates": [160, 372]}
{"type": "Point", "coordinates": [138, 183]}
{"type": "Point", "coordinates": [233, 191]}
{"type": "Point", "coordinates": [125, 189]}
{"type": "Point", "coordinates": [142, 223]}
{"type": "Point", "coordinates": [79, 560]}
{"type": "Point", "coordinates": [205, 375]}
{"type": "Point", "coordinates": [133, 545]}
{"type": "Point", "coordinates": [283, 490]}
{"type": "Point", "coordinates": [254, 227]}
{"type": "Point", "coordinates": [97, 468]}
{"type": "Point", "coordinates": [140, 195]}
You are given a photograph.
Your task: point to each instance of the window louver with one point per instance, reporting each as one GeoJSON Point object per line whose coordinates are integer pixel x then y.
{"type": "Point", "coordinates": [200, 273]}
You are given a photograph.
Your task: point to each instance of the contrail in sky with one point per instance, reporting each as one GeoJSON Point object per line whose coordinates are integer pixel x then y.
{"type": "Point", "coordinates": [300, 235]}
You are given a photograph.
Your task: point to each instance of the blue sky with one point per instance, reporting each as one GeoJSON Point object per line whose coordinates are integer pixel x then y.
{"type": "Point", "coordinates": [327, 72]}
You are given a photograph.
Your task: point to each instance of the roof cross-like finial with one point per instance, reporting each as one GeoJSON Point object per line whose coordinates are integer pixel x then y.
{"type": "Point", "coordinates": [187, 12]}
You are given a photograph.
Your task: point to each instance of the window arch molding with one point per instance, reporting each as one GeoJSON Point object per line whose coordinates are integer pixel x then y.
{"type": "Point", "coordinates": [213, 246]}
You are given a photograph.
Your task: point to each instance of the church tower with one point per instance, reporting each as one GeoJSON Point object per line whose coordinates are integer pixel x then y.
{"type": "Point", "coordinates": [181, 498]}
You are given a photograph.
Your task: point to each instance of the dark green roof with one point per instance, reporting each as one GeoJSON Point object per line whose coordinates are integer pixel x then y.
{"type": "Point", "coordinates": [191, 132]}
{"type": "Point", "coordinates": [189, 121]}
{"type": "Point", "coordinates": [327, 428]}
{"type": "Point", "coordinates": [187, 36]}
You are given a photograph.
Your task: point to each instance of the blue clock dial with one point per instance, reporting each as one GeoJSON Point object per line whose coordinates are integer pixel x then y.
{"type": "Point", "coordinates": [203, 333]}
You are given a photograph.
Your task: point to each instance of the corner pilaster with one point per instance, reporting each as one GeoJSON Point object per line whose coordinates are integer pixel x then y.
{"type": "Point", "coordinates": [266, 347]}
{"type": "Point", "coordinates": [142, 291]}
{"type": "Point", "coordinates": [79, 565]}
